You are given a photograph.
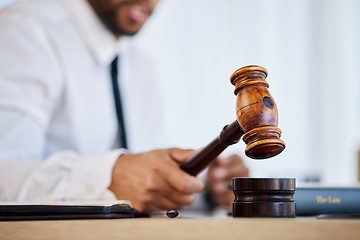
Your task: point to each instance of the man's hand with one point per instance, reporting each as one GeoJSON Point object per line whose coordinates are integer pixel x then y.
{"type": "Point", "coordinates": [154, 181]}
{"type": "Point", "coordinates": [220, 173]}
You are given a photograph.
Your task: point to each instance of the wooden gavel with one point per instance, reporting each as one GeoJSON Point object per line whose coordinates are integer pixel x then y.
{"type": "Point", "coordinates": [257, 121]}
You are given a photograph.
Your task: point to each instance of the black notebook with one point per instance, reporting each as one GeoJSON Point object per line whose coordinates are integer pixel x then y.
{"type": "Point", "coordinates": [67, 210]}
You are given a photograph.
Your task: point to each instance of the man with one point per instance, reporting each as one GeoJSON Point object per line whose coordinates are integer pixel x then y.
{"type": "Point", "coordinates": [58, 124]}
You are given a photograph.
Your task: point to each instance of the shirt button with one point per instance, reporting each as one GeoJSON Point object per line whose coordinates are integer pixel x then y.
{"type": "Point", "coordinates": [90, 189]}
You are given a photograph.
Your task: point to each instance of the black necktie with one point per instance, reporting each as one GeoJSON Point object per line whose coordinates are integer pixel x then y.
{"type": "Point", "coordinates": [117, 97]}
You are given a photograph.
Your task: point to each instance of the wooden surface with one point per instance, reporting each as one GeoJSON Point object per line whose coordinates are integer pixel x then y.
{"type": "Point", "coordinates": [185, 228]}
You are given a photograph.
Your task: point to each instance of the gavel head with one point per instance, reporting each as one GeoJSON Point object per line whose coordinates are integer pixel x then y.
{"type": "Point", "coordinates": [257, 113]}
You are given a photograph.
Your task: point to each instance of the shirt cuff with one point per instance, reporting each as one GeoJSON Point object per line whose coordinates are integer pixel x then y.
{"type": "Point", "coordinates": [91, 176]}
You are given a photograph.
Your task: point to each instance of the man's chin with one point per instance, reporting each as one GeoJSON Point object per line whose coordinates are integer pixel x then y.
{"type": "Point", "coordinates": [126, 32]}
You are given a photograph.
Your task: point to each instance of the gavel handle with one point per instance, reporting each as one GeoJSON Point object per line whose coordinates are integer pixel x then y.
{"type": "Point", "coordinates": [230, 134]}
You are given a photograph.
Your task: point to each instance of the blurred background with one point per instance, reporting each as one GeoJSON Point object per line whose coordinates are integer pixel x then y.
{"type": "Point", "coordinates": [311, 49]}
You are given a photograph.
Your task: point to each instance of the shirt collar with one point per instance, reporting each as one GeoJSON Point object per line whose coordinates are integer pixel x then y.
{"type": "Point", "coordinates": [101, 42]}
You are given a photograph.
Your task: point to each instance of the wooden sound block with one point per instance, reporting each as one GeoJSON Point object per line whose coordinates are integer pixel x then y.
{"type": "Point", "coordinates": [263, 197]}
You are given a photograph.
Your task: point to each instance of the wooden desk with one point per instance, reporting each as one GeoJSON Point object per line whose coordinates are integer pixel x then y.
{"type": "Point", "coordinates": [184, 228]}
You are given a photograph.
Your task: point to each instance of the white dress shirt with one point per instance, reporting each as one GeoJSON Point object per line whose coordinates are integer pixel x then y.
{"type": "Point", "coordinates": [57, 114]}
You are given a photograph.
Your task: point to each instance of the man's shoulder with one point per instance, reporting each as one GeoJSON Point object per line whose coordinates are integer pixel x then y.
{"type": "Point", "coordinates": [30, 11]}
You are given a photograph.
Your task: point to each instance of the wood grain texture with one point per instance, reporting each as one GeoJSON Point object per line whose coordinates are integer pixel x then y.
{"type": "Point", "coordinates": [184, 228]}
{"type": "Point", "coordinates": [257, 113]}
